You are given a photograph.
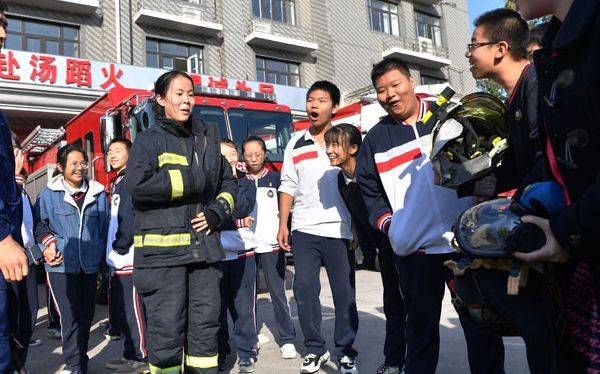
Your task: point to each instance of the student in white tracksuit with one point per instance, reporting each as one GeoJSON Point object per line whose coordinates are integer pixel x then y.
{"type": "Point", "coordinates": [269, 256]}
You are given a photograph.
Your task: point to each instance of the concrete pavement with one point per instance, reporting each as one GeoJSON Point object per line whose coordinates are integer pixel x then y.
{"type": "Point", "coordinates": [453, 358]}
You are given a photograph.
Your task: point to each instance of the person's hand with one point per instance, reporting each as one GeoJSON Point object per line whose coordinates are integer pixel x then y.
{"type": "Point", "coordinates": [283, 237]}
{"type": "Point", "coordinates": [200, 223]}
{"type": "Point", "coordinates": [52, 256]}
{"type": "Point", "coordinates": [19, 161]}
{"type": "Point", "coordinates": [13, 261]}
{"type": "Point", "coordinates": [552, 251]}
{"type": "Point", "coordinates": [248, 221]}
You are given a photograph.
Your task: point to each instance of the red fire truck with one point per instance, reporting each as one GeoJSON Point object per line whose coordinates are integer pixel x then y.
{"type": "Point", "coordinates": [123, 112]}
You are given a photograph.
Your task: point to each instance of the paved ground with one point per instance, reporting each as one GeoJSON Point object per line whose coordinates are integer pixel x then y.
{"type": "Point", "coordinates": [453, 359]}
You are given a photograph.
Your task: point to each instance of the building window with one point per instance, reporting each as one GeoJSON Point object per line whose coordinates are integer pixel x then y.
{"type": "Point", "coordinates": [277, 10]}
{"type": "Point", "coordinates": [428, 79]}
{"type": "Point", "coordinates": [168, 55]}
{"type": "Point", "coordinates": [277, 71]}
{"type": "Point", "coordinates": [428, 27]}
{"type": "Point", "coordinates": [383, 16]}
{"type": "Point", "coordinates": [42, 37]}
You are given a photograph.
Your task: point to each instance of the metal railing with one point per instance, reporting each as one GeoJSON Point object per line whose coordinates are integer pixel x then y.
{"type": "Point", "coordinates": [279, 28]}
{"type": "Point", "coordinates": [415, 45]}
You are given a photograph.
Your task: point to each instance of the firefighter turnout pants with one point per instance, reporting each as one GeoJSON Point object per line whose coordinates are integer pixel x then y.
{"type": "Point", "coordinates": [182, 315]}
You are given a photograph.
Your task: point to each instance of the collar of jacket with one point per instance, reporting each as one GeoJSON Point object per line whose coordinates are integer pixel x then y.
{"type": "Point", "coordinates": [193, 126]}
{"type": "Point", "coordinates": [561, 35]}
{"type": "Point", "coordinates": [56, 184]}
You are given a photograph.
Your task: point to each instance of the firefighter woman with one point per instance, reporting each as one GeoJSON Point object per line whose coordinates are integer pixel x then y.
{"type": "Point", "coordinates": [176, 174]}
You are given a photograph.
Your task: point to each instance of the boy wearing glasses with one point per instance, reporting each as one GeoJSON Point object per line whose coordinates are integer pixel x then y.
{"type": "Point", "coordinates": [504, 60]}
{"type": "Point", "coordinates": [269, 256]}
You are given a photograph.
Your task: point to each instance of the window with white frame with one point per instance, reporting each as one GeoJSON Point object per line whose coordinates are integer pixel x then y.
{"type": "Point", "coordinates": [428, 27]}
{"type": "Point", "coordinates": [170, 55]}
{"type": "Point", "coordinates": [277, 71]}
{"type": "Point", "coordinates": [276, 10]}
{"type": "Point", "coordinates": [383, 16]}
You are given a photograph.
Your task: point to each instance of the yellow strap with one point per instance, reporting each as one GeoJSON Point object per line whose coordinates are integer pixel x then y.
{"type": "Point", "coordinates": [176, 184]}
{"type": "Point", "coordinates": [172, 240]}
{"type": "Point", "coordinates": [171, 158]}
{"type": "Point", "coordinates": [138, 241]}
{"type": "Point", "coordinates": [202, 362]}
{"type": "Point", "coordinates": [227, 196]}
{"type": "Point", "coordinates": [171, 370]}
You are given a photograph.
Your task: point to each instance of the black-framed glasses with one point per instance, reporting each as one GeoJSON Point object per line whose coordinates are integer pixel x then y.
{"type": "Point", "coordinates": [473, 46]}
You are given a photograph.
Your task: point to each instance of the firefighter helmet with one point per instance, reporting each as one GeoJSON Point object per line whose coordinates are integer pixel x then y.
{"type": "Point", "coordinates": [470, 140]}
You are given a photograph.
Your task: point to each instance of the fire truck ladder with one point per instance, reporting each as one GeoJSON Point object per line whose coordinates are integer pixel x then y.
{"type": "Point", "coordinates": [41, 139]}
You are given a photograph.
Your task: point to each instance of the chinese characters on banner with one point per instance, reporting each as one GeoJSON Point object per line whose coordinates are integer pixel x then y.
{"type": "Point", "coordinates": [68, 72]}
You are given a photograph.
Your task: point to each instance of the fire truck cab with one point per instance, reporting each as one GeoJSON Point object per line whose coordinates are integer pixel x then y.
{"type": "Point", "coordinates": [123, 112]}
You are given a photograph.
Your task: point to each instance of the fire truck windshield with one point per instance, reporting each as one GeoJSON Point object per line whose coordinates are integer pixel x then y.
{"type": "Point", "coordinates": [273, 127]}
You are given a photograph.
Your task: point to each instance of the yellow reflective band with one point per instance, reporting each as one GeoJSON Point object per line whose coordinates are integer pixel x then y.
{"type": "Point", "coordinates": [171, 158]}
{"type": "Point", "coordinates": [441, 100]}
{"type": "Point", "coordinates": [176, 184]}
{"type": "Point", "coordinates": [426, 117]}
{"type": "Point", "coordinates": [227, 196]}
{"type": "Point", "coordinates": [171, 370]}
{"type": "Point", "coordinates": [202, 362]}
{"type": "Point", "coordinates": [172, 240]}
{"type": "Point", "coordinates": [138, 241]}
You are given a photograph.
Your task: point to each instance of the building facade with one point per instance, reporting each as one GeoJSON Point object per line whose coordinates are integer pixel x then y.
{"type": "Point", "coordinates": [285, 42]}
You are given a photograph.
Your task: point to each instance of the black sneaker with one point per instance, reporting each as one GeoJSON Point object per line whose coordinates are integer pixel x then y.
{"type": "Point", "coordinates": [312, 362]}
{"type": "Point", "coordinates": [246, 365]}
{"type": "Point", "coordinates": [347, 365]}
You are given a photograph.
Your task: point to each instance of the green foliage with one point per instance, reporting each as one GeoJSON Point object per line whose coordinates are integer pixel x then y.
{"type": "Point", "coordinates": [491, 87]}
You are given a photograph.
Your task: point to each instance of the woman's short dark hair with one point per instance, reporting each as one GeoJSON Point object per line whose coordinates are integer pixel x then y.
{"type": "Point", "coordinates": [344, 133]}
{"type": "Point", "coordinates": [63, 154]}
{"type": "Point", "coordinates": [161, 86]}
{"type": "Point", "coordinates": [254, 138]}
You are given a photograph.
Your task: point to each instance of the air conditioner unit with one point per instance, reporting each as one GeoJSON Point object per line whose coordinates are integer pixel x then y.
{"type": "Point", "coordinates": [425, 45]}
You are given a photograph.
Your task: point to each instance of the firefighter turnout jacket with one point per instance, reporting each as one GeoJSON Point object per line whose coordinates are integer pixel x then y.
{"type": "Point", "coordinates": [174, 173]}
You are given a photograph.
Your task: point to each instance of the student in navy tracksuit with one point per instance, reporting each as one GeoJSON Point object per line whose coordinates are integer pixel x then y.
{"type": "Point", "coordinates": [321, 232]}
{"type": "Point", "coordinates": [238, 286]}
{"type": "Point", "coordinates": [343, 143]}
{"type": "Point", "coordinates": [397, 183]}
{"type": "Point", "coordinates": [13, 261]}
{"type": "Point", "coordinates": [72, 224]}
{"type": "Point", "coordinates": [119, 256]}
{"type": "Point", "coordinates": [269, 256]}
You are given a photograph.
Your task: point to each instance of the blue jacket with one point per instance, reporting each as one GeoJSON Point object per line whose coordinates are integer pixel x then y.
{"type": "Point", "coordinates": [80, 238]}
{"type": "Point", "coordinates": [10, 196]}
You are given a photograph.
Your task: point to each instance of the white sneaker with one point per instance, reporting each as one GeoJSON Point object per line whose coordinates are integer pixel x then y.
{"type": "Point", "coordinates": [312, 362]}
{"type": "Point", "coordinates": [347, 365]}
{"type": "Point", "coordinates": [263, 339]}
{"type": "Point", "coordinates": [288, 351]}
